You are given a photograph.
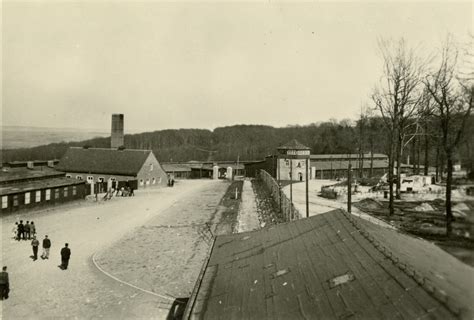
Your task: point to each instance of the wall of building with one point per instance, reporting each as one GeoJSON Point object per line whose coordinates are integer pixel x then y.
{"type": "Point", "coordinates": [296, 166]}
{"type": "Point", "coordinates": [342, 173]}
{"type": "Point", "coordinates": [179, 174]}
{"type": "Point", "coordinates": [46, 197]}
{"type": "Point", "coordinates": [152, 173]}
{"type": "Point", "coordinates": [96, 176]}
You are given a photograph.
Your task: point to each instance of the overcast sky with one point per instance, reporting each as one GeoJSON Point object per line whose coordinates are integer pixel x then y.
{"type": "Point", "coordinates": [203, 65]}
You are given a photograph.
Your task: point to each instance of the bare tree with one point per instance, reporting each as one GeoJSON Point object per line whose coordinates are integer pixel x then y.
{"type": "Point", "coordinates": [453, 98]}
{"type": "Point", "coordinates": [397, 97]}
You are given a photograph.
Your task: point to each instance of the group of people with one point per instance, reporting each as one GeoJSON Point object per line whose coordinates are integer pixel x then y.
{"type": "Point", "coordinates": [46, 246]}
{"type": "Point", "coordinates": [122, 192]}
{"type": "Point", "coordinates": [65, 252]}
{"type": "Point", "coordinates": [24, 231]}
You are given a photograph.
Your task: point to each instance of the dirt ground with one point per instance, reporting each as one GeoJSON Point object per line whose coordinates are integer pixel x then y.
{"type": "Point", "coordinates": [40, 290]}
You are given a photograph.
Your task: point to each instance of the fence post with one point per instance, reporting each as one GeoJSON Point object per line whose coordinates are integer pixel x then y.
{"type": "Point", "coordinates": [349, 188]}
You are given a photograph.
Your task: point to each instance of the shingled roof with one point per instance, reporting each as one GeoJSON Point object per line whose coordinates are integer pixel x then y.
{"type": "Point", "coordinates": [322, 267]}
{"type": "Point", "coordinates": [101, 160]}
{"type": "Point", "coordinates": [293, 145]}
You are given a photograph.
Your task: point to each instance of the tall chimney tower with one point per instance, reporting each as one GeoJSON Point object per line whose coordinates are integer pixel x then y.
{"type": "Point", "coordinates": [116, 139]}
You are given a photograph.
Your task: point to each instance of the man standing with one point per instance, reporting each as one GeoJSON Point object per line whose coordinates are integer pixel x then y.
{"type": "Point", "coordinates": [4, 284]}
{"type": "Point", "coordinates": [46, 246]}
{"type": "Point", "coordinates": [35, 244]}
{"type": "Point", "coordinates": [27, 230]}
{"type": "Point", "coordinates": [65, 255]}
{"type": "Point", "coordinates": [21, 230]}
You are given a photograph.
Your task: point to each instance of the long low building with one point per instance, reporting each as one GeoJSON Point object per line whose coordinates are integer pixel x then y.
{"type": "Point", "coordinates": [28, 188]}
{"type": "Point", "coordinates": [202, 169]}
{"type": "Point", "coordinates": [323, 267]}
{"type": "Point", "coordinates": [325, 166]}
{"type": "Point", "coordinates": [113, 165]}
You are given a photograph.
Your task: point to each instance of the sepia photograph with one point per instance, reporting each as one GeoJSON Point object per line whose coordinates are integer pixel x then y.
{"type": "Point", "coordinates": [194, 159]}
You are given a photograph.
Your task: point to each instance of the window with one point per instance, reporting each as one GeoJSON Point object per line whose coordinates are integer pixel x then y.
{"type": "Point", "coordinates": [101, 179]}
{"type": "Point", "coordinates": [79, 177]}
{"type": "Point", "coordinates": [141, 182]}
{"type": "Point", "coordinates": [298, 165]}
{"type": "Point", "coordinates": [68, 176]}
{"type": "Point", "coordinates": [15, 200]}
{"type": "Point", "coordinates": [74, 191]}
{"type": "Point", "coordinates": [151, 166]}
{"type": "Point", "coordinates": [287, 163]}
{"type": "Point", "coordinates": [38, 196]}
{"type": "Point", "coordinates": [56, 193]}
{"type": "Point", "coordinates": [4, 202]}
{"type": "Point", "coordinates": [90, 179]}
{"type": "Point", "coordinates": [48, 194]}
{"type": "Point", "coordinates": [65, 192]}
{"type": "Point", "coordinates": [153, 181]}
{"type": "Point", "coordinates": [27, 198]}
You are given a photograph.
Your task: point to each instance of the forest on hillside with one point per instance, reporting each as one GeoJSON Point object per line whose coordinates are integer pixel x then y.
{"type": "Point", "coordinates": [254, 142]}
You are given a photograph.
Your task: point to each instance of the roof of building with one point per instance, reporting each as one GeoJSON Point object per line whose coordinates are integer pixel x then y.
{"type": "Point", "coordinates": [346, 156]}
{"type": "Point", "coordinates": [322, 267]}
{"type": "Point", "coordinates": [38, 184]}
{"type": "Point", "coordinates": [22, 173]}
{"type": "Point", "coordinates": [293, 145]}
{"type": "Point", "coordinates": [171, 167]}
{"type": "Point", "coordinates": [102, 160]}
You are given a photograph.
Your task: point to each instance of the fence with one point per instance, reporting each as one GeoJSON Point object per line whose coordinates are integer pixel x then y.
{"type": "Point", "coordinates": [287, 209]}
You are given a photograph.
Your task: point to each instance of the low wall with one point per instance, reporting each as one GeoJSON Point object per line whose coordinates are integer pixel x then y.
{"type": "Point", "coordinates": [287, 209]}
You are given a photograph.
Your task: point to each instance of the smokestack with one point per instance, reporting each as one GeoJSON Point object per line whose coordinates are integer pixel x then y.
{"type": "Point", "coordinates": [116, 139]}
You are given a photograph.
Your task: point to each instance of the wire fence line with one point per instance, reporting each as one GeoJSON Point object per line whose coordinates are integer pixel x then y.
{"type": "Point", "coordinates": [286, 208]}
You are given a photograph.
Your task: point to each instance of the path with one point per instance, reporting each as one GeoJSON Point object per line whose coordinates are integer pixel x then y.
{"type": "Point", "coordinates": [247, 218]}
{"type": "Point", "coordinates": [41, 290]}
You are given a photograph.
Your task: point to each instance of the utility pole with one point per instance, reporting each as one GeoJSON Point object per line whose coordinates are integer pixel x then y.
{"type": "Point", "coordinates": [307, 182]}
{"type": "Point", "coordinates": [349, 169]}
{"type": "Point", "coordinates": [291, 189]}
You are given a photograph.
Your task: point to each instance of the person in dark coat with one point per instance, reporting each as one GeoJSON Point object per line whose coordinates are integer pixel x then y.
{"type": "Point", "coordinates": [35, 244]}
{"type": "Point", "coordinates": [27, 230]}
{"type": "Point", "coordinates": [21, 230]}
{"type": "Point", "coordinates": [65, 256]}
{"type": "Point", "coordinates": [46, 246]}
{"type": "Point", "coordinates": [4, 284]}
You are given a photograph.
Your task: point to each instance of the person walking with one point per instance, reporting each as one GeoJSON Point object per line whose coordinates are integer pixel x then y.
{"type": "Point", "coordinates": [4, 284]}
{"type": "Point", "coordinates": [35, 244]}
{"type": "Point", "coordinates": [32, 229]}
{"type": "Point", "coordinates": [65, 256]}
{"type": "Point", "coordinates": [46, 246]}
{"type": "Point", "coordinates": [27, 230]}
{"type": "Point", "coordinates": [21, 230]}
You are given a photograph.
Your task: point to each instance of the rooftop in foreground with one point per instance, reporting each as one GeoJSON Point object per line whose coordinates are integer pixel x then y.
{"type": "Point", "coordinates": [322, 267]}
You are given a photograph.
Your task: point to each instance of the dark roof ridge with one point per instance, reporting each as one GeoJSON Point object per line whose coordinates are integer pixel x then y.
{"type": "Point", "coordinates": [437, 294]}
{"type": "Point", "coordinates": [101, 148]}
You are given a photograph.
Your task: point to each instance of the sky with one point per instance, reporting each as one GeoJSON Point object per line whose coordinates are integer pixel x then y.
{"type": "Point", "coordinates": [170, 65]}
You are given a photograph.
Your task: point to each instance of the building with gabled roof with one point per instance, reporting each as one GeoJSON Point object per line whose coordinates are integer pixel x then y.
{"type": "Point", "coordinates": [103, 164]}
{"type": "Point", "coordinates": [323, 267]}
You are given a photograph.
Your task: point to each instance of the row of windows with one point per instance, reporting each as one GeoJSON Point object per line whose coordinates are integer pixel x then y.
{"type": "Point", "coordinates": [90, 179]}
{"type": "Point", "coordinates": [298, 164]}
{"type": "Point", "coordinates": [37, 196]}
{"type": "Point", "coordinates": [147, 181]}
